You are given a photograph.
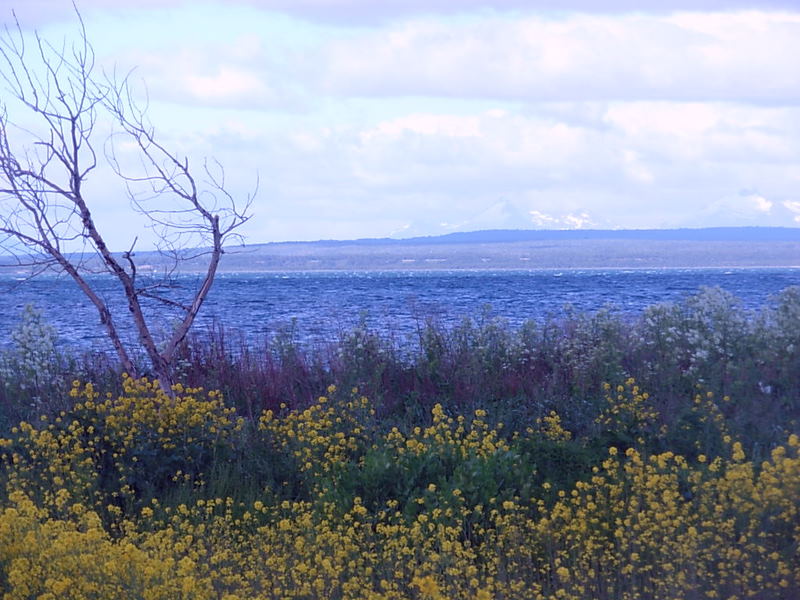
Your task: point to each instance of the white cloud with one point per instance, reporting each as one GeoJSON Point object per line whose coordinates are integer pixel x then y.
{"type": "Point", "coordinates": [227, 84]}
{"type": "Point", "coordinates": [635, 169]}
{"type": "Point", "coordinates": [762, 204]}
{"type": "Point", "coordinates": [689, 56]}
{"type": "Point", "coordinates": [525, 57]}
{"type": "Point", "coordinates": [371, 12]}
{"type": "Point", "coordinates": [664, 118]}
{"type": "Point", "coordinates": [395, 118]}
{"type": "Point", "coordinates": [686, 132]}
{"type": "Point", "coordinates": [564, 221]}
{"type": "Point", "coordinates": [425, 124]}
{"type": "Point", "coordinates": [580, 221]}
{"type": "Point", "coordinates": [367, 12]}
{"type": "Point", "coordinates": [432, 168]}
{"type": "Point", "coordinates": [539, 219]}
{"type": "Point", "coordinates": [236, 74]}
{"type": "Point", "coordinates": [794, 207]}
{"type": "Point", "coordinates": [745, 208]}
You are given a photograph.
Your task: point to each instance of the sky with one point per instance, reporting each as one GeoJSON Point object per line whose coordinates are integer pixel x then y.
{"type": "Point", "coordinates": [397, 118]}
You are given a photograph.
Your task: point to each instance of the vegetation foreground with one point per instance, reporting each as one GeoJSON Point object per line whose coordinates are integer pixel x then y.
{"type": "Point", "coordinates": [600, 491]}
{"type": "Point", "coordinates": [142, 496]}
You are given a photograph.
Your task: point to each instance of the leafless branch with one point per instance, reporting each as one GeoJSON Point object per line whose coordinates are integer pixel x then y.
{"type": "Point", "coordinates": [46, 221]}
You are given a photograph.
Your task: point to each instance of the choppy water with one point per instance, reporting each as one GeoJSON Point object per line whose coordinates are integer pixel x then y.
{"type": "Point", "coordinates": [323, 305]}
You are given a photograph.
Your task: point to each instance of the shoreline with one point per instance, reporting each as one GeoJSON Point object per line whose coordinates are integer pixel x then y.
{"type": "Point", "coordinates": [434, 270]}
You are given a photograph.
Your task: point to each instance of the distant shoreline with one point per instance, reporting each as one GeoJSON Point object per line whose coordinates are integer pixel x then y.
{"type": "Point", "coordinates": [518, 256]}
{"type": "Point", "coordinates": [4, 272]}
{"type": "Point", "coordinates": [512, 250]}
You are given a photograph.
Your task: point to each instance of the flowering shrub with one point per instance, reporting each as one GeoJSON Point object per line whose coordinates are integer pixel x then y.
{"type": "Point", "coordinates": [628, 417]}
{"type": "Point", "coordinates": [459, 507]}
{"type": "Point", "coordinates": [51, 558]}
{"type": "Point", "coordinates": [31, 367]}
{"type": "Point", "coordinates": [113, 454]}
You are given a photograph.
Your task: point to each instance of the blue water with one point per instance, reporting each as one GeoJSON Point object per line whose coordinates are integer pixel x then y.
{"type": "Point", "coordinates": [324, 305]}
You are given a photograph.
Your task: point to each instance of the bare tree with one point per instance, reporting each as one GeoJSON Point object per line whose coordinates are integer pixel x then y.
{"type": "Point", "coordinates": [46, 159]}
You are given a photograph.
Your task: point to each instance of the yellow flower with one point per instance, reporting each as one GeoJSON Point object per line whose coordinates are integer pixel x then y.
{"type": "Point", "coordinates": [427, 587]}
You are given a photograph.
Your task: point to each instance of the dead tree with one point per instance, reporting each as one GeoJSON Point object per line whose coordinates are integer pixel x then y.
{"type": "Point", "coordinates": [73, 118]}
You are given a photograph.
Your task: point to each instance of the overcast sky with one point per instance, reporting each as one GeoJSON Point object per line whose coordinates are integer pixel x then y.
{"type": "Point", "coordinates": [367, 118]}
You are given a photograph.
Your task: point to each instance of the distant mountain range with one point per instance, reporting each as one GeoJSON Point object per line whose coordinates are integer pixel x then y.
{"type": "Point", "coordinates": [498, 236]}
{"type": "Point", "coordinates": [716, 247]}
{"type": "Point", "coordinates": [532, 249]}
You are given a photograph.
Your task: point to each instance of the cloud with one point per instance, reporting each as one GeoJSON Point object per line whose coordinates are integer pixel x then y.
{"type": "Point", "coordinates": [687, 56]}
{"type": "Point", "coordinates": [235, 73]}
{"type": "Point", "coordinates": [227, 84]}
{"type": "Point", "coordinates": [686, 132]}
{"type": "Point", "coordinates": [541, 220]}
{"type": "Point", "coordinates": [794, 207]}
{"type": "Point", "coordinates": [402, 119]}
{"type": "Point", "coordinates": [636, 145]}
{"type": "Point", "coordinates": [762, 204]}
{"type": "Point", "coordinates": [521, 57]}
{"type": "Point", "coordinates": [581, 221]}
{"type": "Point", "coordinates": [33, 13]}
{"type": "Point", "coordinates": [372, 12]}
{"type": "Point", "coordinates": [425, 124]}
{"type": "Point", "coordinates": [747, 208]}
{"type": "Point", "coordinates": [563, 221]}
{"type": "Point", "coordinates": [442, 172]}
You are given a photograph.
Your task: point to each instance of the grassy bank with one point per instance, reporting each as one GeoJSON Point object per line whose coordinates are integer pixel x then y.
{"type": "Point", "coordinates": [595, 456]}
